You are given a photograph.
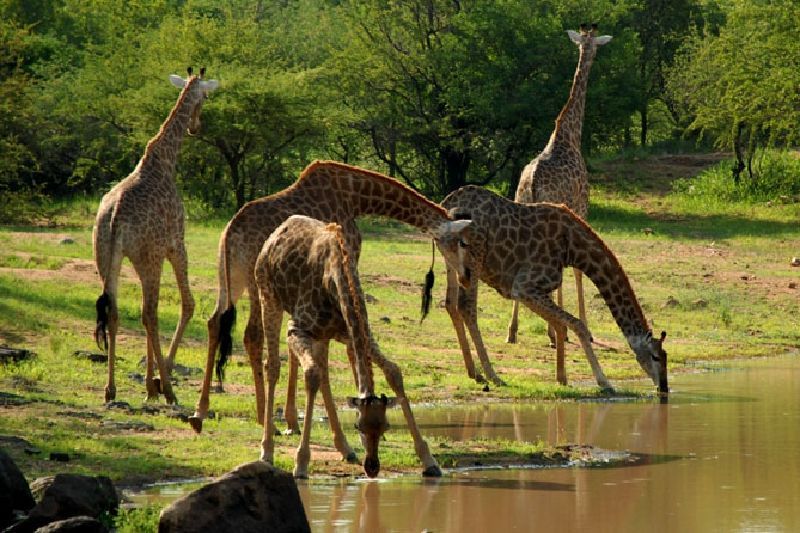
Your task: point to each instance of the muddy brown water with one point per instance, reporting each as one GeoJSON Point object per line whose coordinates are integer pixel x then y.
{"type": "Point", "coordinates": [723, 455]}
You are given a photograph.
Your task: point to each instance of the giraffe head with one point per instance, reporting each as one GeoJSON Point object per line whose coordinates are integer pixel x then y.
{"type": "Point", "coordinates": [587, 38]}
{"type": "Point", "coordinates": [371, 426]}
{"type": "Point", "coordinates": [652, 357]}
{"type": "Point", "coordinates": [197, 90]}
{"type": "Point", "coordinates": [463, 246]}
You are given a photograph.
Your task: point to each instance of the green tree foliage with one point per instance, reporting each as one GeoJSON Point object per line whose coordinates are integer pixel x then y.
{"type": "Point", "coordinates": [439, 93]}
{"type": "Point", "coordinates": [740, 84]}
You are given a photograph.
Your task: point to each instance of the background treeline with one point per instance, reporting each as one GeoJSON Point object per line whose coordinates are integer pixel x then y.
{"type": "Point", "coordinates": [438, 93]}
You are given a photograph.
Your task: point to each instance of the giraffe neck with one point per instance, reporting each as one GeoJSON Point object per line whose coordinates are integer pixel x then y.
{"type": "Point", "coordinates": [353, 192]}
{"type": "Point", "coordinates": [161, 154]}
{"type": "Point", "coordinates": [589, 254]}
{"type": "Point", "coordinates": [569, 124]}
{"type": "Point", "coordinates": [354, 311]}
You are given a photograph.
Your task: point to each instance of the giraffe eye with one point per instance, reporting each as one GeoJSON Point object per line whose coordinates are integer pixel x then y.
{"type": "Point", "coordinates": [462, 243]}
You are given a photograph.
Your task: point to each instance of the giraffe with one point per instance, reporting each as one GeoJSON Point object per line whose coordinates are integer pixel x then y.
{"type": "Point", "coordinates": [307, 269]}
{"type": "Point", "coordinates": [521, 250]}
{"type": "Point", "coordinates": [558, 174]}
{"type": "Point", "coordinates": [142, 218]}
{"type": "Point", "coordinates": [326, 190]}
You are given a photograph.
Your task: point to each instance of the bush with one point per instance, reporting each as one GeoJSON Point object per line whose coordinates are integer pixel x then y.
{"type": "Point", "coordinates": [776, 174]}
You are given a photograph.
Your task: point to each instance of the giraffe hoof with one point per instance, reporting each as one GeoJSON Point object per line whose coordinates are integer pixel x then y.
{"type": "Point", "coordinates": [479, 378]}
{"type": "Point", "coordinates": [352, 458]}
{"type": "Point", "coordinates": [289, 431]}
{"type": "Point", "coordinates": [197, 423]}
{"type": "Point", "coordinates": [607, 389]}
{"type": "Point", "coordinates": [432, 471]}
{"type": "Point", "coordinates": [110, 394]}
{"type": "Point", "coordinates": [511, 339]}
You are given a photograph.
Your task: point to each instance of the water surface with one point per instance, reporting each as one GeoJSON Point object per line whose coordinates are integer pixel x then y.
{"type": "Point", "coordinates": [723, 455]}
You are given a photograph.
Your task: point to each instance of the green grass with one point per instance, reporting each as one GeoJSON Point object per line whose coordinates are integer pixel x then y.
{"type": "Point", "coordinates": [715, 275]}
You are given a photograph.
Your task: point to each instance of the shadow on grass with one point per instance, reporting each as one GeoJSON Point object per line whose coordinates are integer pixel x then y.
{"type": "Point", "coordinates": [606, 218]}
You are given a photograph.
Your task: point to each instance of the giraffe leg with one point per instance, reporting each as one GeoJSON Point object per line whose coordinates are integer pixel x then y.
{"type": "Point", "coordinates": [180, 265]}
{"type": "Point", "coordinates": [547, 309]}
{"type": "Point", "coordinates": [339, 439]}
{"type": "Point", "coordinates": [451, 303]}
{"type": "Point", "coordinates": [272, 315]}
{"type": "Point", "coordinates": [254, 345]}
{"type": "Point", "coordinates": [290, 410]}
{"type": "Point", "coordinates": [394, 377]}
{"type": "Point", "coordinates": [152, 382]}
{"type": "Point", "coordinates": [113, 326]}
{"type": "Point", "coordinates": [468, 307]}
{"type": "Point", "coordinates": [579, 288]}
{"type": "Point", "coordinates": [513, 325]}
{"type": "Point", "coordinates": [309, 354]}
{"type": "Point", "coordinates": [201, 409]}
{"type": "Point", "coordinates": [151, 281]}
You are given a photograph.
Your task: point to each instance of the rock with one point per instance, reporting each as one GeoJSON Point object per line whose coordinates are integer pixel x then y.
{"type": "Point", "coordinates": [647, 231]}
{"type": "Point", "coordinates": [76, 524]}
{"type": "Point", "coordinates": [94, 357]}
{"type": "Point", "coordinates": [792, 285]}
{"type": "Point", "coordinates": [253, 497]}
{"type": "Point", "coordinates": [796, 261]}
{"type": "Point", "coordinates": [67, 240]}
{"type": "Point", "coordinates": [66, 496]}
{"type": "Point", "coordinates": [15, 495]}
{"type": "Point", "coordinates": [370, 299]}
{"type": "Point", "coordinates": [671, 302]}
{"type": "Point", "coordinates": [699, 304]}
{"type": "Point", "coordinates": [14, 355]}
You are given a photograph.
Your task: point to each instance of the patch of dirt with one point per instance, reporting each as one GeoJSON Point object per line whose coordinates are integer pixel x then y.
{"type": "Point", "coordinates": [655, 174]}
{"type": "Point", "coordinates": [400, 284]}
{"type": "Point", "coordinates": [73, 271]}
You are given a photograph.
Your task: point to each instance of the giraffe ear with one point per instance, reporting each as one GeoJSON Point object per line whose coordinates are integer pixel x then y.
{"type": "Point", "coordinates": [603, 39]}
{"type": "Point", "coordinates": [209, 85]}
{"type": "Point", "coordinates": [177, 81]}
{"type": "Point", "coordinates": [574, 36]}
{"type": "Point", "coordinates": [450, 227]}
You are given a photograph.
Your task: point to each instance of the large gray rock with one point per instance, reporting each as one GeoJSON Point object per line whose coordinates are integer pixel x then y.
{"type": "Point", "coordinates": [68, 495]}
{"type": "Point", "coordinates": [254, 497]}
{"type": "Point", "coordinates": [76, 524]}
{"type": "Point", "coordinates": [15, 495]}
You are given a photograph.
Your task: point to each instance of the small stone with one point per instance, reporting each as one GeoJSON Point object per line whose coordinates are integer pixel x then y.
{"type": "Point", "coordinates": [647, 231]}
{"type": "Point", "coordinates": [386, 320]}
{"type": "Point", "coordinates": [370, 299]}
{"type": "Point", "coordinates": [792, 285]}
{"type": "Point", "coordinates": [671, 302]}
{"type": "Point", "coordinates": [699, 303]}
{"type": "Point", "coordinates": [59, 456]}
{"type": "Point", "coordinates": [67, 240]}
{"type": "Point", "coordinates": [796, 261]}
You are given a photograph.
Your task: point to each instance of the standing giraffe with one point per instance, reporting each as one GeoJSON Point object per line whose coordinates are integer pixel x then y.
{"type": "Point", "coordinates": [142, 218]}
{"type": "Point", "coordinates": [325, 190]}
{"type": "Point", "coordinates": [521, 251]}
{"type": "Point", "coordinates": [308, 270]}
{"type": "Point", "coordinates": [558, 174]}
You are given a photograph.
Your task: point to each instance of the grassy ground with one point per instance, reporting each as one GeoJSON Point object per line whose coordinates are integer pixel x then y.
{"type": "Point", "coordinates": [716, 277]}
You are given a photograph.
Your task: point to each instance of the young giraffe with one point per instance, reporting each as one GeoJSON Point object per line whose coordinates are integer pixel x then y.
{"type": "Point", "coordinates": [558, 174]}
{"type": "Point", "coordinates": [521, 250]}
{"type": "Point", "coordinates": [142, 218]}
{"type": "Point", "coordinates": [325, 190]}
{"type": "Point", "coordinates": [307, 269]}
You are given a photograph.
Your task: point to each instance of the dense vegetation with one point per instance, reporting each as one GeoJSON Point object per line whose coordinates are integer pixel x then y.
{"type": "Point", "coordinates": [436, 92]}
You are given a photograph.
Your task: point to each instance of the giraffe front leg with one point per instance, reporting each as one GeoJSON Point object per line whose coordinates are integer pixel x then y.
{"type": "Point", "coordinates": [309, 356]}
{"type": "Point", "coordinates": [339, 439]}
{"type": "Point", "coordinates": [547, 309]}
{"type": "Point", "coordinates": [271, 320]}
{"type": "Point", "coordinates": [451, 304]}
{"type": "Point", "coordinates": [468, 307]}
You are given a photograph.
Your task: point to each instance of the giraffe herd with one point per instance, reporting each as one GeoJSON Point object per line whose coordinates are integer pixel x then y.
{"type": "Point", "coordinates": [297, 252]}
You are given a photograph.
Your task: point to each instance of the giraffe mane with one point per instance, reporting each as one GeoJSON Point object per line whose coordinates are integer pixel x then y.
{"type": "Point", "coordinates": [347, 270]}
{"type": "Point", "coordinates": [609, 254]}
{"type": "Point", "coordinates": [183, 96]}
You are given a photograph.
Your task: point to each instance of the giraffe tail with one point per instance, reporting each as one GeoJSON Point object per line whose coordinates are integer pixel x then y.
{"type": "Point", "coordinates": [427, 287]}
{"type": "Point", "coordinates": [226, 321]}
{"type": "Point", "coordinates": [103, 305]}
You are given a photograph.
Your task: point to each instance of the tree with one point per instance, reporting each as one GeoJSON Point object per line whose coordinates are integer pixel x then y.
{"type": "Point", "coordinates": [740, 86]}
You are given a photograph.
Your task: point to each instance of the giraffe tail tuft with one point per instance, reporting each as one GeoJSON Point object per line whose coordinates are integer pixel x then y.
{"type": "Point", "coordinates": [226, 321]}
{"type": "Point", "coordinates": [427, 297]}
{"type": "Point", "coordinates": [103, 305]}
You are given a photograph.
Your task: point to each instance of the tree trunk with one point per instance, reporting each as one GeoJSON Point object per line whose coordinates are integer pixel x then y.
{"type": "Point", "coordinates": [643, 133]}
{"type": "Point", "coordinates": [456, 165]}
